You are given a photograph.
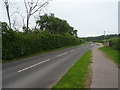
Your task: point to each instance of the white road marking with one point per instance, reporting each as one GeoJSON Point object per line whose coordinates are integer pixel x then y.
{"type": "Point", "coordinates": [61, 54]}
{"type": "Point", "coordinates": [72, 51]}
{"type": "Point", "coordinates": [33, 65]}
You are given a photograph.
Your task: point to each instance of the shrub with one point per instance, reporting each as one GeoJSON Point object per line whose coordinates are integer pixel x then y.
{"type": "Point", "coordinates": [115, 43]}
{"type": "Point", "coordinates": [17, 44]}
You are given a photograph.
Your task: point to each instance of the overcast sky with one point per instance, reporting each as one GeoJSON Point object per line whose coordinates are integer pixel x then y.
{"type": "Point", "coordinates": [89, 17]}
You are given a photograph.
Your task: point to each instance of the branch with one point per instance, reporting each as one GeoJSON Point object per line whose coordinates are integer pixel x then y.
{"type": "Point", "coordinates": [12, 14]}
{"type": "Point", "coordinates": [23, 17]}
{"type": "Point", "coordinates": [40, 7]}
{"type": "Point", "coordinates": [35, 5]}
{"type": "Point", "coordinates": [26, 5]}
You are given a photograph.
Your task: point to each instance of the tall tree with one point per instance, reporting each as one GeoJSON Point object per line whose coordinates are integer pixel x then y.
{"type": "Point", "coordinates": [6, 2]}
{"type": "Point", "coordinates": [54, 25]}
{"type": "Point", "coordinates": [33, 6]}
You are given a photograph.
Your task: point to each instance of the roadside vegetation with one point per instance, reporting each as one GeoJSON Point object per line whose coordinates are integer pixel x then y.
{"type": "Point", "coordinates": [77, 75]}
{"type": "Point", "coordinates": [45, 33]}
{"type": "Point", "coordinates": [40, 53]}
{"type": "Point", "coordinates": [51, 33]}
{"type": "Point", "coordinates": [113, 50]}
{"type": "Point", "coordinates": [115, 43]}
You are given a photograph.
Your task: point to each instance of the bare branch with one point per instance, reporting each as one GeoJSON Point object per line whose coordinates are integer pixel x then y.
{"type": "Point", "coordinates": [12, 14]}
{"type": "Point", "coordinates": [22, 17]}
{"type": "Point", "coordinates": [14, 23]}
{"type": "Point", "coordinates": [36, 18]}
{"type": "Point", "coordinates": [26, 5]}
{"type": "Point", "coordinates": [34, 6]}
{"type": "Point", "coordinates": [6, 2]}
{"type": "Point", "coordinates": [43, 5]}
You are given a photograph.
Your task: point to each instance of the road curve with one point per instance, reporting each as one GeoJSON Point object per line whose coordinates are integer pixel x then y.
{"type": "Point", "coordinates": [41, 71]}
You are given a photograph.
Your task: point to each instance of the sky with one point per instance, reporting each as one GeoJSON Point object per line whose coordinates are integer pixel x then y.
{"type": "Point", "coordinates": [89, 17]}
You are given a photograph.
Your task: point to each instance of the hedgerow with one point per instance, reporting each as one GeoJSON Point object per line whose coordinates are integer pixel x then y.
{"type": "Point", "coordinates": [115, 43]}
{"type": "Point", "coordinates": [17, 44]}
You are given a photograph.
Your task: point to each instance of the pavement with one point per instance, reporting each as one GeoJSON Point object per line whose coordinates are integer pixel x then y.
{"type": "Point", "coordinates": [41, 71]}
{"type": "Point", "coordinates": [105, 71]}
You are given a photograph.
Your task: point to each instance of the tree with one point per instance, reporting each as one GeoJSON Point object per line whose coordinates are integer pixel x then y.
{"type": "Point", "coordinates": [119, 35]}
{"type": "Point", "coordinates": [6, 2]}
{"type": "Point", "coordinates": [33, 6]}
{"type": "Point", "coordinates": [36, 18]}
{"type": "Point", "coordinates": [75, 33]}
{"type": "Point", "coordinates": [4, 27]}
{"type": "Point", "coordinates": [54, 25]}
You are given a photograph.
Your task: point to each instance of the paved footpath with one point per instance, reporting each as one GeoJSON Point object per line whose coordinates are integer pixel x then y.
{"type": "Point", "coordinates": [105, 71]}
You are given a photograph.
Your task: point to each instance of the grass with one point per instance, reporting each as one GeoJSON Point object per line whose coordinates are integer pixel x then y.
{"type": "Point", "coordinates": [77, 75]}
{"type": "Point", "coordinates": [43, 52]}
{"type": "Point", "coordinates": [112, 53]}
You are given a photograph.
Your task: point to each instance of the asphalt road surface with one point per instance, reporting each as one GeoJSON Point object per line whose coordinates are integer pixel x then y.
{"type": "Point", "coordinates": [41, 71]}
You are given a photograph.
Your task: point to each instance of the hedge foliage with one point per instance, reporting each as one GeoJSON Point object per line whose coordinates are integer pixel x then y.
{"type": "Point", "coordinates": [17, 44]}
{"type": "Point", "coordinates": [115, 43]}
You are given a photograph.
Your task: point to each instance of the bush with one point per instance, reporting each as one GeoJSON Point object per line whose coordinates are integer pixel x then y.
{"type": "Point", "coordinates": [115, 43]}
{"type": "Point", "coordinates": [17, 44]}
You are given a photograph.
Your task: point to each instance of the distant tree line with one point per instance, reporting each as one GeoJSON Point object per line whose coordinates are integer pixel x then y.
{"type": "Point", "coordinates": [113, 39]}
{"type": "Point", "coordinates": [100, 38]}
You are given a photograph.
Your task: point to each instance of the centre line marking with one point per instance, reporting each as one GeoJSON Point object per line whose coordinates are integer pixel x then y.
{"type": "Point", "coordinates": [72, 51]}
{"type": "Point", "coordinates": [61, 54]}
{"type": "Point", "coordinates": [33, 65]}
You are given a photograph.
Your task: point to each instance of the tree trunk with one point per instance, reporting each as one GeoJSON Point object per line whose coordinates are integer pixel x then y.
{"type": "Point", "coordinates": [27, 26]}
{"type": "Point", "coordinates": [8, 15]}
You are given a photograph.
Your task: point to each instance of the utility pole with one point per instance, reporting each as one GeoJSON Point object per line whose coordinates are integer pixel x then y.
{"type": "Point", "coordinates": [104, 35]}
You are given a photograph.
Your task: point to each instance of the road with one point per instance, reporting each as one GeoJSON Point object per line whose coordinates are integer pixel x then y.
{"type": "Point", "coordinates": [41, 71]}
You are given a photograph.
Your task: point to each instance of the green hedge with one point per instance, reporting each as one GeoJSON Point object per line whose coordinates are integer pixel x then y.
{"type": "Point", "coordinates": [115, 43]}
{"type": "Point", "coordinates": [17, 44]}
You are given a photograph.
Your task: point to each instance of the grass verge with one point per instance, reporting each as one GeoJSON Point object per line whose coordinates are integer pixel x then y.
{"type": "Point", "coordinates": [77, 75]}
{"type": "Point", "coordinates": [112, 53]}
{"type": "Point", "coordinates": [43, 52]}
